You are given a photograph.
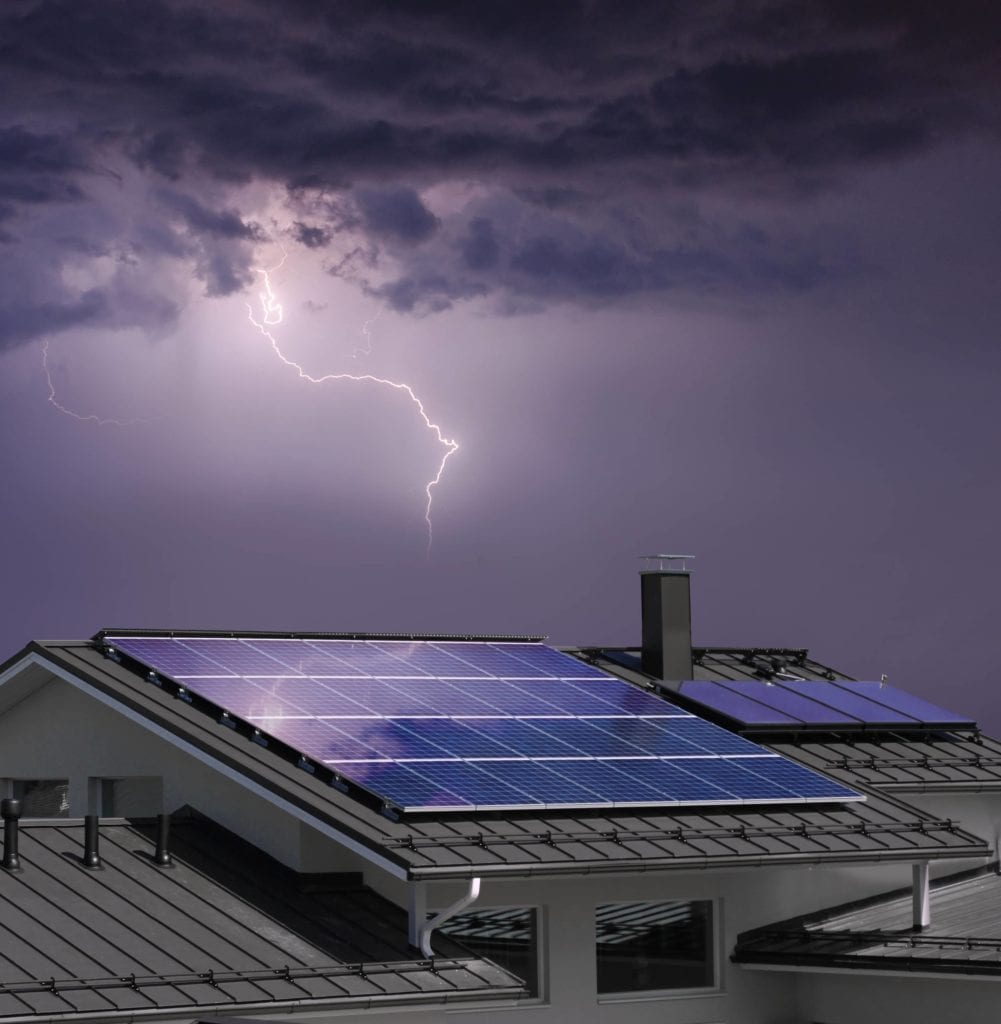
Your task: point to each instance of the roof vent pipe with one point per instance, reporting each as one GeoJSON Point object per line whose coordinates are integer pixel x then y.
{"type": "Point", "coordinates": [162, 854]}
{"type": "Point", "coordinates": [91, 855]}
{"type": "Point", "coordinates": [665, 596]}
{"type": "Point", "coordinates": [10, 810]}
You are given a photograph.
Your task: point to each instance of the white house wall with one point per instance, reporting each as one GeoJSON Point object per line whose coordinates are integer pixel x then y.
{"type": "Point", "coordinates": [60, 732]}
{"type": "Point", "coordinates": [856, 998]}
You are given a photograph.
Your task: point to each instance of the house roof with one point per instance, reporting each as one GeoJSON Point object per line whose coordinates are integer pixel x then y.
{"type": "Point", "coordinates": [225, 927]}
{"type": "Point", "coordinates": [964, 936]}
{"type": "Point", "coordinates": [521, 844]}
{"type": "Point", "coordinates": [934, 760]}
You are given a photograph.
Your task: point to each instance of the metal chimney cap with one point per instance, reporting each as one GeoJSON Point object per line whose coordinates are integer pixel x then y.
{"type": "Point", "coordinates": [661, 559]}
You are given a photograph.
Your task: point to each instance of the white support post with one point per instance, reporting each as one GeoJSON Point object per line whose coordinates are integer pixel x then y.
{"type": "Point", "coordinates": [417, 912]}
{"type": "Point", "coordinates": [921, 895]}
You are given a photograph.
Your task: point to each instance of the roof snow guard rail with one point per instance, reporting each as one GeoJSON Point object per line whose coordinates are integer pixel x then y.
{"type": "Point", "coordinates": [877, 938]}
{"type": "Point", "coordinates": [100, 638]}
{"type": "Point", "coordinates": [290, 974]}
{"type": "Point", "coordinates": [746, 832]}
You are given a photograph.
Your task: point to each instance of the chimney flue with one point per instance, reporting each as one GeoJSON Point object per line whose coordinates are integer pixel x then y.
{"type": "Point", "coordinates": [665, 595]}
{"type": "Point", "coordinates": [10, 810]}
{"type": "Point", "coordinates": [91, 854]}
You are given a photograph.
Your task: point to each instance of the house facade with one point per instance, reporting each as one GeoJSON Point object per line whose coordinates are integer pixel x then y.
{"type": "Point", "coordinates": [177, 861]}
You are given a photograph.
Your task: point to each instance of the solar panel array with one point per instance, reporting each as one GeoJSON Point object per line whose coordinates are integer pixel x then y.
{"type": "Point", "coordinates": [793, 705]}
{"type": "Point", "coordinates": [474, 725]}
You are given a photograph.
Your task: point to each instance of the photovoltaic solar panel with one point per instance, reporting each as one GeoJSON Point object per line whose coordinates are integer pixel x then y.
{"type": "Point", "coordinates": [458, 725]}
{"type": "Point", "coordinates": [794, 705]}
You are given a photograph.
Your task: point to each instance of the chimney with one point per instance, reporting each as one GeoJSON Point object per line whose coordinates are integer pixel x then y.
{"type": "Point", "coordinates": [10, 811]}
{"type": "Point", "coordinates": [91, 857]}
{"type": "Point", "coordinates": [665, 595]}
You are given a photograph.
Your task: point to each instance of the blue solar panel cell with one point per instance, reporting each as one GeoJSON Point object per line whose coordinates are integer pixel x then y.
{"type": "Point", "coordinates": [434, 660]}
{"type": "Point", "coordinates": [796, 779]}
{"type": "Point", "coordinates": [681, 780]}
{"type": "Point", "coordinates": [308, 695]}
{"type": "Point", "coordinates": [605, 777]}
{"type": "Point", "coordinates": [238, 657]}
{"type": "Point", "coordinates": [522, 737]}
{"type": "Point", "coordinates": [455, 737]}
{"type": "Point", "coordinates": [392, 737]}
{"type": "Point", "coordinates": [712, 738]}
{"type": "Point", "coordinates": [752, 777]}
{"type": "Point", "coordinates": [555, 664]}
{"type": "Point", "coordinates": [409, 789]}
{"type": "Point", "coordinates": [488, 660]}
{"type": "Point", "coordinates": [171, 657]}
{"type": "Point", "coordinates": [239, 697]}
{"type": "Point", "coordinates": [478, 782]}
{"type": "Point", "coordinates": [626, 699]}
{"type": "Point", "coordinates": [423, 726]}
{"type": "Point", "coordinates": [505, 698]}
{"type": "Point", "coordinates": [364, 659]}
{"type": "Point", "coordinates": [317, 740]}
{"type": "Point", "coordinates": [657, 736]}
{"type": "Point", "coordinates": [587, 738]}
{"type": "Point", "coordinates": [545, 783]}
{"type": "Point", "coordinates": [301, 658]}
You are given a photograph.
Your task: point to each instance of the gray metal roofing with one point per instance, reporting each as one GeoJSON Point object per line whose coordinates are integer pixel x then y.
{"type": "Point", "coordinates": [225, 927]}
{"type": "Point", "coordinates": [939, 763]}
{"type": "Point", "coordinates": [964, 936]}
{"type": "Point", "coordinates": [461, 846]}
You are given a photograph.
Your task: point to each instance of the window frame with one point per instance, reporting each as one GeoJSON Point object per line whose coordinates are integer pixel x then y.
{"type": "Point", "coordinates": [716, 988]}
{"type": "Point", "coordinates": [14, 783]}
{"type": "Point", "coordinates": [541, 998]}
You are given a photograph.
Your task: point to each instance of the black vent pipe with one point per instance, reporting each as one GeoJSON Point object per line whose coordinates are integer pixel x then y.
{"type": "Point", "coordinates": [162, 855]}
{"type": "Point", "coordinates": [10, 810]}
{"type": "Point", "coordinates": [91, 854]}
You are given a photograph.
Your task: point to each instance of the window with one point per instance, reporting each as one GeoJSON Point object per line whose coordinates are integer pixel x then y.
{"type": "Point", "coordinates": [507, 935]}
{"type": "Point", "coordinates": [42, 798]}
{"type": "Point", "coordinates": [648, 947]}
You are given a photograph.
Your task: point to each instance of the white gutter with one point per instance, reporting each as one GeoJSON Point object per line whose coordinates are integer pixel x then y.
{"type": "Point", "coordinates": [469, 897]}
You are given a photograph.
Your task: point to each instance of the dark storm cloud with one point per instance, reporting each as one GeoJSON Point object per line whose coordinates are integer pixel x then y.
{"type": "Point", "coordinates": [367, 106]}
{"type": "Point", "coordinates": [396, 214]}
{"type": "Point", "coordinates": [311, 235]}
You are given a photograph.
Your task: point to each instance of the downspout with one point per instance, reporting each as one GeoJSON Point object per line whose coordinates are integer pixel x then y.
{"type": "Point", "coordinates": [469, 897]}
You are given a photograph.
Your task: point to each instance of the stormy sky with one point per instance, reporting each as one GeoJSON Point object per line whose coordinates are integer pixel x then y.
{"type": "Point", "coordinates": [713, 277]}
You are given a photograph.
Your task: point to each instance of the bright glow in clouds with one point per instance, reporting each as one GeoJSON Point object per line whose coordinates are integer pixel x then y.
{"type": "Point", "coordinates": [271, 315]}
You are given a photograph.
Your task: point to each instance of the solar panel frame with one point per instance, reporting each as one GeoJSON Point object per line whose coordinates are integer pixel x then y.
{"type": "Point", "coordinates": [424, 743]}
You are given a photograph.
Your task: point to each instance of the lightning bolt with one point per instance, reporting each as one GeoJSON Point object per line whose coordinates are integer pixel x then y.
{"type": "Point", "coordinates": [366, 350]}
{"type": "Point", "coordinates": [91, 418]}
{"type": "Point", "coordinates": [271, 315]}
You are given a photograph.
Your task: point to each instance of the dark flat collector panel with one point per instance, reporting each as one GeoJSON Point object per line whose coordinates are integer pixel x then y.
{"type": "Point", "coordinates": [923, 711]}
{"type": "Point", "coordinates": [817, 704]}
{"type": "Point", "coordinates": [444, 725]}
